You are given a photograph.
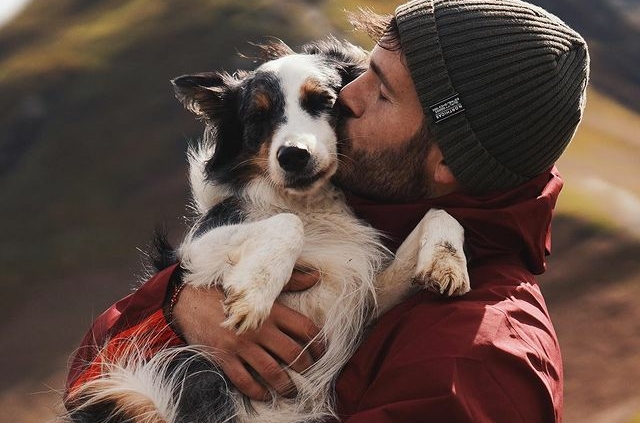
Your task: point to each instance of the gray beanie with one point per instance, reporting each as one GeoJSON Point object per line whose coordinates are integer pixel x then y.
{"type": "Point", "coordinates": [502, 84]}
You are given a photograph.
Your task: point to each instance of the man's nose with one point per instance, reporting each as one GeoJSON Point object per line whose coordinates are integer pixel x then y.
{"type": "Point", "coordinates": [350, 100]}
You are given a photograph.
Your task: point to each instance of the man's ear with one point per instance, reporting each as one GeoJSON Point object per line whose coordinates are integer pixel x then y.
{"type": "Point", "coordinates": [441, 173]}
{"type": "Point", "coordinates": [205, 94]}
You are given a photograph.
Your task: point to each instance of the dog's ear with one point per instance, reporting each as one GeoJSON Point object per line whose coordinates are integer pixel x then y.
{"type": "Point", "coordinates": [205, 94]}
{"type": "Point", "coordinates": [214, 98]}
{"type": "Point", "coordinates": [350, 60]}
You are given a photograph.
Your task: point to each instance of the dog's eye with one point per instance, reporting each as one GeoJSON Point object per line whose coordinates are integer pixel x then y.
{"type": "Point", "coordinates": [316, 102]}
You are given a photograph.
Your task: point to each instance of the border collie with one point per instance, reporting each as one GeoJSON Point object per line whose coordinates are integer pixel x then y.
{"type": "Point", "coordinates": [260, 182]}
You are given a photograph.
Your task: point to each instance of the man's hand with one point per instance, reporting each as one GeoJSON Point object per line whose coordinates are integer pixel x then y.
{"type": "Point", "coordinates": [198, 314]}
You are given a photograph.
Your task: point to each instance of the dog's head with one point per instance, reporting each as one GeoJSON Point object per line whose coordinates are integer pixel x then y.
{"type": "Point", "coordinates": [277, 121]}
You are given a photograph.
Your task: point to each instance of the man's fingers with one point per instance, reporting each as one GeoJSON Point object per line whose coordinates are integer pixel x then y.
{"type": "Point", "coordinates": [302, 278]}
{"type": "Point", "coordinates": [299, 328]}
{"type": "Point", "coordinates": [279, 342]}
{"type": "Point", "coordinates": [317, 348]}
{"type": "Point", "coordinates": [269, 370]}
{"type": "Point", "coordinates": [243, 380]}
{"type": "Point", "coordinates": [289, 351]}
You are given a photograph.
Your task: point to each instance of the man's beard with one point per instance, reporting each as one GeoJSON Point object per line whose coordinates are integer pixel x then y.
{"type": "Point", "coordinates": [390, 175]}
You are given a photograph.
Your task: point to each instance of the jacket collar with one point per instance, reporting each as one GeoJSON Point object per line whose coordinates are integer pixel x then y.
{"type": "Point", "coordinates": [514, 222]}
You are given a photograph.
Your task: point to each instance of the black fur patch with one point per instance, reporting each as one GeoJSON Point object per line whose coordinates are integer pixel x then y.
{"type": "Point", "coordinates": [228, 133]}
{"type": "Point", "coordinates": [99, 413]}
{"type": "Point", "coordinates": [259, 122]}
{"type": "Point", "coordinates": [204, 395]}
{"type": "Point", "coordinates": [162, 254]}
{"type": "Point", "coordinates": [349, 60]}
{"type": "Point", "coordinates": [228, 212]}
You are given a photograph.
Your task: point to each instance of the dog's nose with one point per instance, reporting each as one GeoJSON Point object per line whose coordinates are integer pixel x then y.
{"type": "Point", "coordinates": [293, 159]}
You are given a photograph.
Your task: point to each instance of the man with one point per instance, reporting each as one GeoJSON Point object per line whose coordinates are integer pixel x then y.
{"type": "Point", "coordinates": [466, 106]}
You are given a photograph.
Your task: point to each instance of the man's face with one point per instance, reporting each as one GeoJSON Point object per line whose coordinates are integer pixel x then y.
{"type": "Point", "coordinates": [381, 142]}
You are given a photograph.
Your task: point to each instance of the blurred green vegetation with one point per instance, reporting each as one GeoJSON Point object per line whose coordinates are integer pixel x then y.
{"type": "Point", "coordinates": [601, 169]}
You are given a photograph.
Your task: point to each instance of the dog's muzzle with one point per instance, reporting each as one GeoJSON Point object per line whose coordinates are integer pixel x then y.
{"type": "Point", "coordinates": [301, 171]}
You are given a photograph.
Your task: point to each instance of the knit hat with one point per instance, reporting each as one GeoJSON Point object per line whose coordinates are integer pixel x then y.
{"type": "Point", "coordinates": [502, 84]}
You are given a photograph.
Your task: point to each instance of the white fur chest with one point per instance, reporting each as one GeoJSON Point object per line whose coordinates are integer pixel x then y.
{"type": "Point", "coordinates": [346, 251]}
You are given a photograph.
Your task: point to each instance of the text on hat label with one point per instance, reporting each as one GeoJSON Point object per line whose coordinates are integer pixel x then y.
{"type": "Point", "coordinates": [446, 108]}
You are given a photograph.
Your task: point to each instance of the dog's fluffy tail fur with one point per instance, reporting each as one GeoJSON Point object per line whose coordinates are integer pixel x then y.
{"type": "Point", "coordinates": [174, 385]}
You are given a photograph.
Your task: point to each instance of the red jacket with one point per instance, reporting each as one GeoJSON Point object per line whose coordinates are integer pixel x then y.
{"type": "Point", "coordinates": [489, 356]}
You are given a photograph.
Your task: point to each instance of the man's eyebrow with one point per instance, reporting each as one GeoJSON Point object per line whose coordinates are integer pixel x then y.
{"type": "Point", "coordinates": [381, 76]}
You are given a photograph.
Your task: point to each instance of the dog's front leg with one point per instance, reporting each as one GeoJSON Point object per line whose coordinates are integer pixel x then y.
{"type": "Point", "coordinates": [432, 257]}
{"type": "Point", "coordinates": [251, 262]}
{"type": "Point", "coordinates": [442, 265]}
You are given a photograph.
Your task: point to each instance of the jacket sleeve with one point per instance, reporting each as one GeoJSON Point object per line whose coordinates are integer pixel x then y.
{"type": "Point", "coordinates": [456, 390]}
{"type": "Point", "coordinates": [137, 321]}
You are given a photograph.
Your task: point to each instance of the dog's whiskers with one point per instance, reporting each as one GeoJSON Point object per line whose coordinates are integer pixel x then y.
{"type": "Point", "coordinates": [247, 161]}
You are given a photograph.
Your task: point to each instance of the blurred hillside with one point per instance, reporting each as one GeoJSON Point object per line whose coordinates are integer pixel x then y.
{"type": "Point", "coordinates": [612, 28]}
{"type": "Point", "coordinates": [92, 157]}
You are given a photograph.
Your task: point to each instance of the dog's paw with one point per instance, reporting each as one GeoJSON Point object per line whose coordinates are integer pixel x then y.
{"type": "Point", "coordinates": [244, 310]}
{"type": "Point", "coordinates": [442, 268]}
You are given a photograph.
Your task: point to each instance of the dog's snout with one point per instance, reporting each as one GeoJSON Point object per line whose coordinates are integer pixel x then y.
{"type": "Point", "coordinates": [293, 159]}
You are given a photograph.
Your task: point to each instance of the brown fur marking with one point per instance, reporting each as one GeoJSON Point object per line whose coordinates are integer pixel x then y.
{"type": "Point", "coordinates": [261, 101]}
{"type": "Point", "coordinates": [309, 86]}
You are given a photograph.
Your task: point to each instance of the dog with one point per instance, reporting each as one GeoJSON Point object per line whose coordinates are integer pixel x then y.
{"type": "Point", "coordinates": [260, 180]}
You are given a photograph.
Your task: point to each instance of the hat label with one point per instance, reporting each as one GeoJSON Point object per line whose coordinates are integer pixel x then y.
{"type": "Point", "coordinates": [446, 108]}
